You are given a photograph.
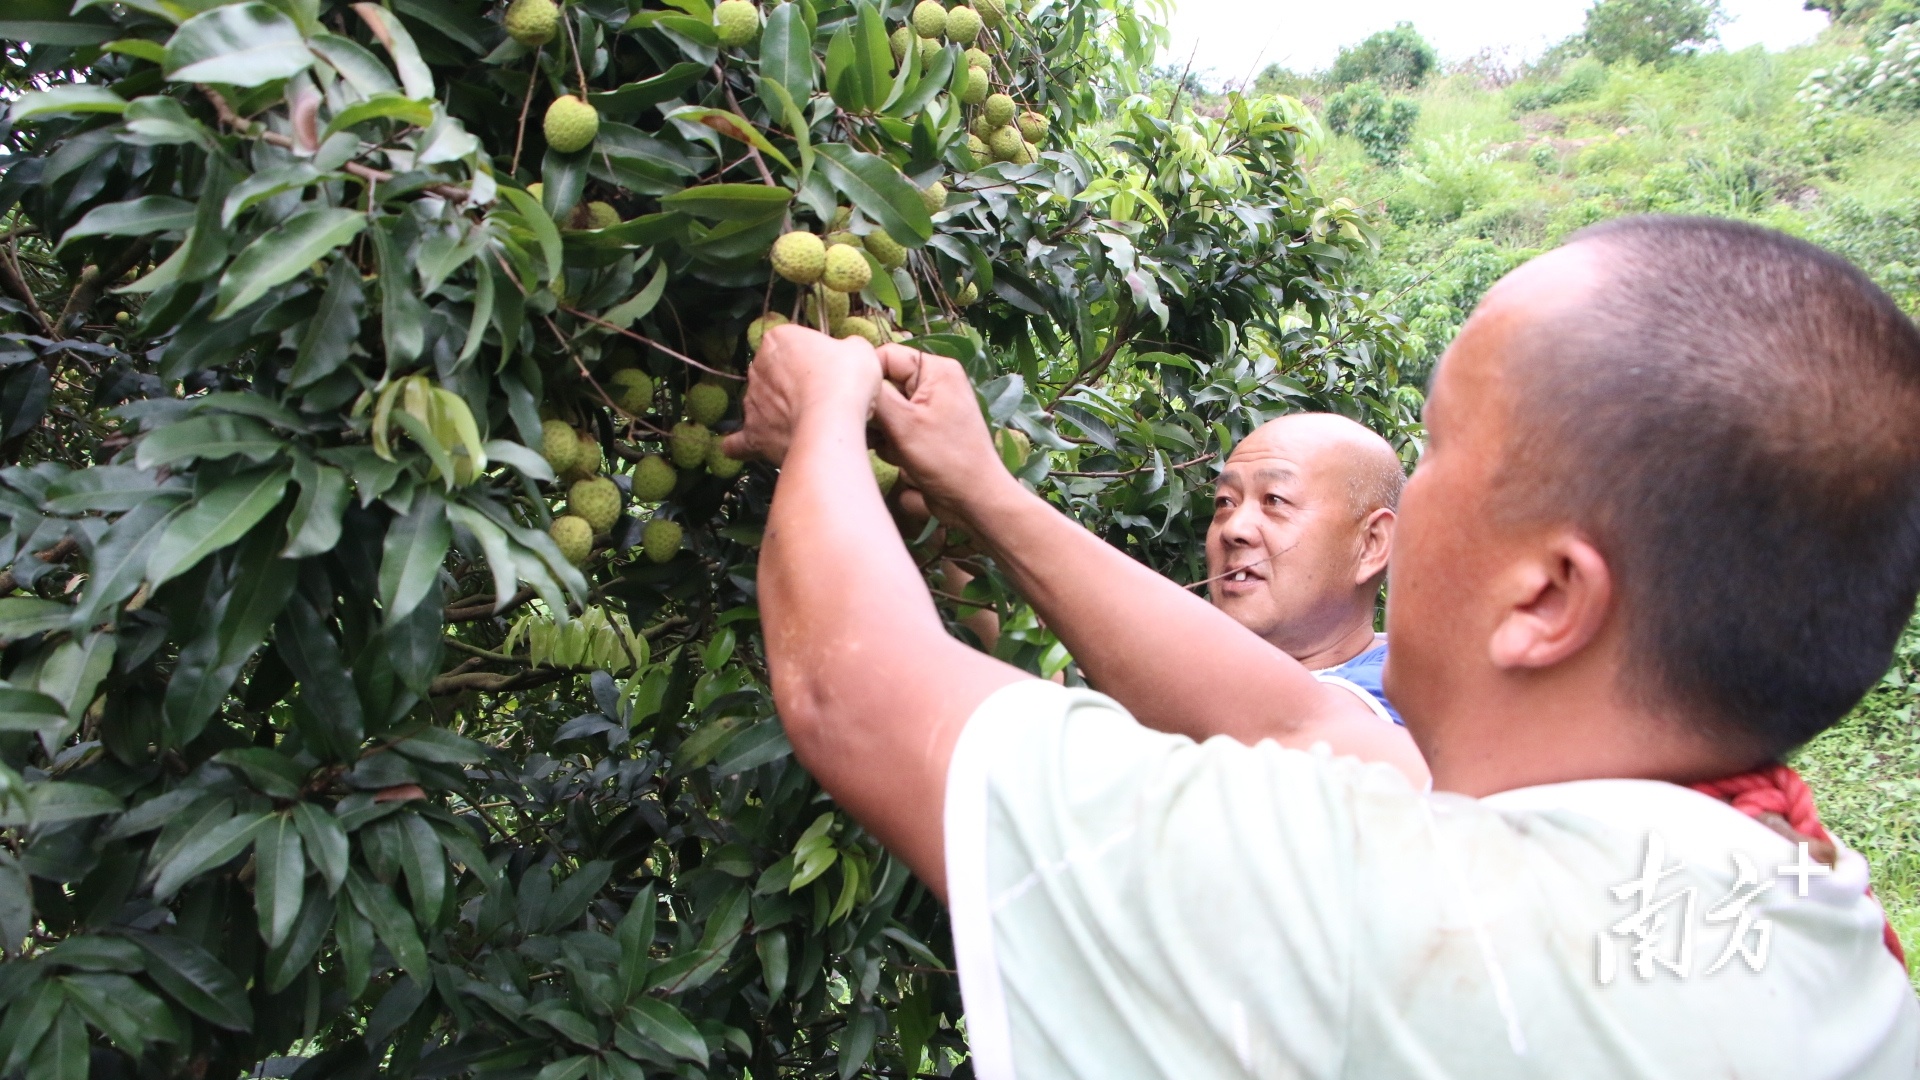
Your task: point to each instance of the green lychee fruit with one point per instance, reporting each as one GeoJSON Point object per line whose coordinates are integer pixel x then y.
{"type": "Point", "coordinates": [587, 458]}
{"type": "Point", "coordinates": [929, 19]}
{"type": "Point", "coordinates": [538, 190]}
{"type": "Point", "coordinates": [935, 196]}
{"type": "Point", "coordinates": [900, 42]}
{"type": "Point", "coordinates": [992, 12]}
{"type": "Point", "coordinates": [602, 215]}
{"type": "Point", "coordinates": [653, 479]}
{"type": "Point", "coordinates": [720, 465]}
{"type": "Point", "coordinates": [800, 257]}
{"type": "Point", "coordinates": [978, 58]}
{"type": "Point", "coordinates": [968, 294]}
{"type": "Point", "coordinates": [842, 218]}
{"type": "Point", "coordinates": [1033, 126]}
{"type": "Point", "coordinates": [847, 270]}
{"type": "Point", "coordinates": [597, 500]}
{"type": "Point", "coordinates": [737, 22]}
{"type": "Point", "coordinates": [661, 539]}
{"type": "Point", "coordinates": [885, 473]}
{"type": "Point", "coordinates": [1029, 154]}
{"type": "Point", "coordinates": [688, 443]}
{"type": "Point", "coordinates": [963, 25]}
{"type": "Point", "coordinates": [758, 328]}
{"type": "Point", "coordinates": [978, 148]}
{"type": "Point", "coordinates": [571, 124]}
{"type": "Point", "coordinates": [706, 403]}
{"type": "Point", "coordinates": [1006, 143]}
{"type": "Point", "coordinates": [837, 306]}
{"type": "Point", "coordinates": [573, 536]}
{"type": "Point", "coordinates": [979, 127]}
{"type": "Point", "coordinates": [978, 86]}
{"type": "Point", "coordinates": [558, 445]}
{"type": "Point", "coordinates": [532, 22]}
{"type": "Point", "coordinates": [840, 236]}
{"type": "Point", "coordinates": [886, 249]}
{"type": "Point", "coordinates": [1014, 447]}
{"type": "Point", "coordinates": [632, 390]}
{"type": "Point", "coordinates": [928, 46]}
{"type": "Point", "coordinates": [859, 326]}
{"type": "Point", "coordinates": [999, 110]}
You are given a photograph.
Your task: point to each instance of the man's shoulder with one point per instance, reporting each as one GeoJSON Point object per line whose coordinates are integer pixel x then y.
{"type": "Point", "coordinates": [1364, 675]}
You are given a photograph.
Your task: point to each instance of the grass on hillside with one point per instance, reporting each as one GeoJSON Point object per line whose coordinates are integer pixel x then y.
{"type": "Point", "coordinates": [1490, 181]}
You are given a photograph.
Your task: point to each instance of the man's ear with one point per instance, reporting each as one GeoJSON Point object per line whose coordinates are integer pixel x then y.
{"type": "Point", "coordinates": [1557, 600]}
{"type": "Point", "coordinates": [1376, 546]}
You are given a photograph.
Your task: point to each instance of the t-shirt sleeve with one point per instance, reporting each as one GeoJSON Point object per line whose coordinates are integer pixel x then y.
{"type": "Point", "coordinates": [1127, 902]}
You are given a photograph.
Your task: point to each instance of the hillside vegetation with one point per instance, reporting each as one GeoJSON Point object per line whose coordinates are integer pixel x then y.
{"type": "Point", "coordinates": [1500, 165]}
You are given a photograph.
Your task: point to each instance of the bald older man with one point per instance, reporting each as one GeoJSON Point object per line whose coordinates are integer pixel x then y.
{"type": "Point", "coordinates": [1302, 528]}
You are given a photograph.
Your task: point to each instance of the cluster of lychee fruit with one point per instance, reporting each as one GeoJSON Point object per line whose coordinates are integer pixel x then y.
{"type": "Point", "coordinates": [834, 267]}
{"type": "Point", "coordinates": [931, 23]}
{"type": "Point", "coordinates": [594, 502]}
{"type": "Point", "coordinates": [571, 124]}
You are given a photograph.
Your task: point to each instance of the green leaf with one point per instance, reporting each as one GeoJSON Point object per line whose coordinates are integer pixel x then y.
{"type": "Point", "coordinates": [29, 711]}
{"type": "Point", "coordinates": [627, 102]}
{"type": "Point", "coordinates": [279, 883]}
{"type": "Point", "coordinates": [872, 51]}
{"type": "Point", "coordinates": [270, 772]}
{"type": "Point", "coordinates": [544, 230]}
{"type": "Point", "coordinates": [415, 546]}
{"type": "Point", "coordinates": [105, 489]}
{"type": "Point", "coordinates": [359, 67]}
{"type": "Point", "coordinates": [667, 1027]}
{"type": "Point", "coordinates": [65, 101]}
{"type": "Point", "coordinates": [572, 1068]}
{"type": "Point", "coordinates": [119, 561]}
{"type": "Point", "coordinates": [32, 1020]}
{"type": "Point", "coordinates": [51, 33]}
{"type": "Point", "coordinates": [325, 841]}
{"type": "Point", "coordinates": [939, 72]}
{"type": "Point", "coordinates": [332, 331]}
{"type": "Point", "coordinates": [846, 78]}
{"type": "Point", "coordinates": [880, 191]}
{"type": "Point", "coordinates": [127, 1012]}
{"type": "Point", "coordinates": [135, 217]}
{"type": "Point", "coordinates": [265, 184]}
{"type": "Point", "coordinates": [219, 519]}
{"type": "Point", "coordinates": [733, 126]}
{"type": "Point", "coordinates": [786, 54]}
{"type": "Point", "coordinates": [284, 251]}
{"type": "Point", "coordinates": [554, 1013]}
{"type": "Point", "coordinates": [191, 976]}
{"type": "Point", "coordinates": [391, 922]}
{"type": "Point", "coordinates": [49, 801]}
{"type": "Point", "coordinates": [635, 308]}
{"type": "Point", "coordinates": [16, 907]}
{"type": "Point", "coordinates": [93, 952]}
{"type": "Point", "coordinates": [425, 866]}
{"type": "Point", "coordinates": [24, 616]}
{"type": "Point", "coordinates": [383, 107]}
{"type": "Point", "coordinates": [239, 45]}
{"type": "Point", "coordinates": [208, 437]}
{"type": "Point", "coordinates": [314, 526]}
{"type": "Point", "coordinates": [730, 202]}
{"type": "Point", "coordinates": [415, 76]}
{"type": "Point", "coordinates": [440, 746]}
{"type": "Point", "coordinates": [782, 105]}
{"type": "Point", "coordinates": [289, 960]}
{"type": "Point", "coordinates": [62, 1054]}
{"type": "Point", "coordinates": [210, 663]}
{"type": "Point", "coordinates": [212, 844]}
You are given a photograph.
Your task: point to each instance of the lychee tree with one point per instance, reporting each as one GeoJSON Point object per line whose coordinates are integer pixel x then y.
{"type": "Point", "coordinates": [382, 685]}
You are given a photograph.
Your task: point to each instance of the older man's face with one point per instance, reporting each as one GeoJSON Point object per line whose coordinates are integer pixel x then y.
{"type": "Point", "coordinates": [1287, 535]}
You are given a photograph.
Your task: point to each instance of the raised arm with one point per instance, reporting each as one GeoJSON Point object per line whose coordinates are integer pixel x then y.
{"type": "Point", "coordinates": [1177, 663]}
{"type": "Point", "coordinates": [871, 689]}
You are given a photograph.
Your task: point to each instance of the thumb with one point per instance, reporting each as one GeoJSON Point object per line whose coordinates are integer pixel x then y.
{"type": "Point", "coordinates": [738, 447]}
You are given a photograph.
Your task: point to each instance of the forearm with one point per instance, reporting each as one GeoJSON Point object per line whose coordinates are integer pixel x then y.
{"type": "Point", "coordinates": [872, 690]}
{"type": "Point", "coordinates": [1177, 663]}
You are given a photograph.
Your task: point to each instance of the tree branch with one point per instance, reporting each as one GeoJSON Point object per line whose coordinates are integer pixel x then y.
{"type": "Point", "coordinates": [482, 607]}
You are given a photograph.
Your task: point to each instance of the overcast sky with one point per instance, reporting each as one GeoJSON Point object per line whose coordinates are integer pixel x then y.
{"type": "Point", "coordinates": [1231, 39]}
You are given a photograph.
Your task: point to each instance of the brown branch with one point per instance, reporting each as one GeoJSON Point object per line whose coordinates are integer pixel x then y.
{"type": "Point", "coordinates": [526, 102]}
{"type": "Point", "coordinates": [97, 279]}
{"type": "Point", "coordinates": [482, 607]}
{"type": "Point", "coordinates": [1201, 460]}
{"type": "Point", "coordinates": [490, 683]}
{"type": "Point", "coordinates": [58, 552]}
{"type": "Point", "coordinates": [1093, 370]}
{"type": "Point", "coordinates": [12, 281]}
{"type": "Point", "coordinates": [645, 340]}
{"type": "Point", "coordinates": [766, 176]}
{"type": "Point", "coordinates": [479, 653]}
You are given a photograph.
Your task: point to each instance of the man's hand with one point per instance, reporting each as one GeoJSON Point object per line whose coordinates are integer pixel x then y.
{"type": "Point", "coordinates": [799, 372]}
{"type": "Point", "coordinates": [936, 433]}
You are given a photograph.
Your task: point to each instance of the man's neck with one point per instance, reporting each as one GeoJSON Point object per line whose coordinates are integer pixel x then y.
{"type": "Point", "coordinates": [1357, 638]}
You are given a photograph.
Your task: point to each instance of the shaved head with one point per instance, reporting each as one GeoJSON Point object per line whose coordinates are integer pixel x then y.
{"type": "Point", "coordinates": [1733, 415]}
{"type": "Point", "coordinates": [1303, 524]}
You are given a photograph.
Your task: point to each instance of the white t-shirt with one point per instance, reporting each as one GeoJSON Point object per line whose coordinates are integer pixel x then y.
{"type": "Point", "coordinates": [1132, 904]}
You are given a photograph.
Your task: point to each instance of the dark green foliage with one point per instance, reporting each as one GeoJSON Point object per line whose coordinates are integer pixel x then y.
{"type": "Point", "coordinates": [310, 739]}
{"type": "Point", "coordinates": [1580, 80]}
{"type": "Point", "coordinates": [1398, 59]}
{"type": "Point", "coordinates": [1382, 126]}
{"type": "Point", "coordinates": [1650, 31]}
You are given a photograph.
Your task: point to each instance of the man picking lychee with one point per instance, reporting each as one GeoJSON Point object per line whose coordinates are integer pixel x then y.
{"type": "Point", "coordinates": [1666, 528]}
